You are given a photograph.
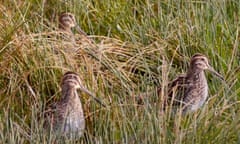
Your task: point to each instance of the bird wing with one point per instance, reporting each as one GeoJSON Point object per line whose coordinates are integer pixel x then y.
{"type": "Point", "coordinates": [177, 89]}
{"type": "Point", "coordinates": [54, 115]}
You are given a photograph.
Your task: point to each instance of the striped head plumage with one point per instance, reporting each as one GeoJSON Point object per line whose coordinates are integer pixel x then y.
{"type": "Point", "coordinates": [199, 63]}
{"type": "Point", "coordinates": [67, 21]}
{"type": "Point", "coordinates": [71, 79]}
{"type": "Point", "coordinates": [190, 90]}
{"type": "Point", "coordinates": [66, 117]}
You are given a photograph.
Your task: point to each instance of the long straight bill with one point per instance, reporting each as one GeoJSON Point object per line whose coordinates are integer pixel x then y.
{"type": "Point", "coordinates": [215, 73]}
{"type": "Point", "coordinates": [80, 30]}
{"type": "Point", "coordinates": [93, 96]}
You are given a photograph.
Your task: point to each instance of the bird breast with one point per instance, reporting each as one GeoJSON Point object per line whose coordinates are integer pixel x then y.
{"type": "Point", "coordinates": [74, 122]}
{"type": "Point", "coordinates": [197, 93]}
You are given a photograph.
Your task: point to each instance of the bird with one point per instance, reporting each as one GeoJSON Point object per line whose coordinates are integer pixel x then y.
{"type": "Point", "coordinates": [187, 91]}
{"type": "Point", "coordinates": [67, 21]}
{"type": "Point", "coordinates": [190, 90]}
{"type": "Point", "coordinates": [66, 117]}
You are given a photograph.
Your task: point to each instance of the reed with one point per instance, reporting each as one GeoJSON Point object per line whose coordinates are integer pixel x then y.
{"type": "Point", "coordinates": [138, 45]}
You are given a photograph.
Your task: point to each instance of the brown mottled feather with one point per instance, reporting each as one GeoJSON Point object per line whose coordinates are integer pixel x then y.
{"type": "Point", "coordinates": [191, 89]}
{"type": "Point", "coordinates": [66, 117]}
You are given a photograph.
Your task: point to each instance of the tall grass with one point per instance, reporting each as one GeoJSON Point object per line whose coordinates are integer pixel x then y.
{"type": "Point", "coordinates": [140, 45]}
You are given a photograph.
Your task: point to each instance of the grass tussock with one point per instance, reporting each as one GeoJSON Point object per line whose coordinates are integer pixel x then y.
{"type": "Point", "coordinates": [138, 45]}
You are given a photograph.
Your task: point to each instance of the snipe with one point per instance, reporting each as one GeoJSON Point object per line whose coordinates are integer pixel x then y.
{"type": "Point", "coordinates": [190, 90]}
{"type": "Point", "coordinates": [67, 21]}
{"type": "Point", "coordinates": [66, 117]}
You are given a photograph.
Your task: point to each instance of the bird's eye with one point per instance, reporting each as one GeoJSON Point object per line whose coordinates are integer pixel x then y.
{"type": "Point", "coordinates": [199, 64]}
{"type": "Point", "coordinates": [202, 59]}
{"type": "Point", "coordinates": [70, 16]}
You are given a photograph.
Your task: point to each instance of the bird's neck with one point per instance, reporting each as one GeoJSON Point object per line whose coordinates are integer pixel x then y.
{"type": "Point", "coordinates": [69, 93]}
{"type": "Point", "coordinates": [196, 74]}
{"type": "Point", "coordinates": [72, 101]}
{"type": "Point", "coordinates": [65, 29]}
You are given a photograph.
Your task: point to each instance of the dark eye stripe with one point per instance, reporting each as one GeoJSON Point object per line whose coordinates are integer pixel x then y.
{"type": "Point", "coordinates": [70, 16]}
{"type": "Point", "coordinates": [70, 81]}
{"type": "Point", "coordinates": [74, 80]}
{"type": "Point", "coordinates": [199, 58]}
{"type": "Point", "coordinates": [66, 18]}
{"type": "Point", "coordinates": [71, 77]}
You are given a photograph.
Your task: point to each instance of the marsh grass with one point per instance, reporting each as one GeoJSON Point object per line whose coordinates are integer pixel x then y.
{"type": "Point", "coordinates": [138, 45]}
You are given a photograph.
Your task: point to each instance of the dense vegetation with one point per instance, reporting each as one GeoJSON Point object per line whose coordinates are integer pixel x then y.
{"type": "Point", "coordinates": [141, 45]}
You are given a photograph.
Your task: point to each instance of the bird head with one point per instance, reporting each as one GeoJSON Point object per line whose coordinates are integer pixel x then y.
{"type": "Point", "coordinates": [200, 62]}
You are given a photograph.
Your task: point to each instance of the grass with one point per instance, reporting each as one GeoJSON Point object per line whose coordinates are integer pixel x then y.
{"type": "Point", "coordinates": [142, 44]}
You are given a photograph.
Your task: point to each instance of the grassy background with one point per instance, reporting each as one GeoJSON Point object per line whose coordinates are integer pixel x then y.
{"type": "Point", "coordinates": [145, 44]}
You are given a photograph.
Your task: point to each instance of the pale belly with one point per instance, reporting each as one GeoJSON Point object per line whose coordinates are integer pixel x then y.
{"type": "Point", "coordinates": [200, 100]}
{"type": "Point", "coordinates": [74, 125]}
